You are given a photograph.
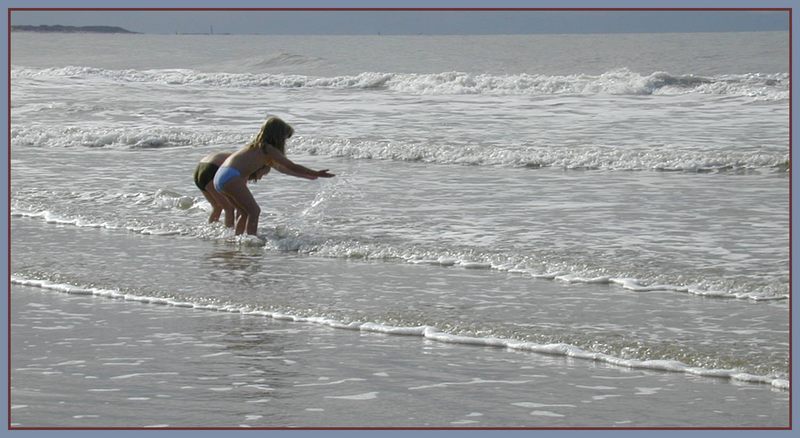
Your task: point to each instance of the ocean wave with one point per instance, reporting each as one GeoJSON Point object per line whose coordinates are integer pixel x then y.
{"type": "Point", "coordinates": [288, 238]}
{"type": "Point", "coordinates": [759, 86]}
{"type": "Point", "coordinates": [591, 157]}
{"type": "Point", "coordinates": [124, 137]}
{"type": "Point", "coordinates": [427, 332]}
{"type": "Point", "coordinates": [284, 239]}
{"type": "Point", "coordinates": [657, 158]}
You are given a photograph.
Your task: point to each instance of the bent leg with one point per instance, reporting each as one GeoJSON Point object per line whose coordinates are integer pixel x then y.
{"type": "Point", "coordinates": [216, 208]}
{"type": "Point", "coordinates": [236, 190]}
{"type": "Point", "coordinates": [222, 203]}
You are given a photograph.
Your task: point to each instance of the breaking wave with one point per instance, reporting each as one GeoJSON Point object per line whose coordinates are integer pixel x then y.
{"type": "Point", "coordinates": [617, 82]}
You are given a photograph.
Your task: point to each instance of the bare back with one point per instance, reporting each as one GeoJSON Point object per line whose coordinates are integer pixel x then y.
{"type": "Point", "coordinates": [246, 160]}
{"type": "Point", "coordinates": [216, 158]}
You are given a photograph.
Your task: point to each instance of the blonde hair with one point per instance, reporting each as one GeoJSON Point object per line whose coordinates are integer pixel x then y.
{"type": "Point", "coordinates": [274, 133]}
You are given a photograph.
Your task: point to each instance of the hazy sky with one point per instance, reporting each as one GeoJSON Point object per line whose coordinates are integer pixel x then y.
{"type": "Point", "coordinates": [413, 22]}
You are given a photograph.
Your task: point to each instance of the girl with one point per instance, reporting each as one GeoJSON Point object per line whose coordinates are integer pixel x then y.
{"type": "Point", "coordinates": [204, 179]}
{"type": "Point", "coordinates": [267, 149]}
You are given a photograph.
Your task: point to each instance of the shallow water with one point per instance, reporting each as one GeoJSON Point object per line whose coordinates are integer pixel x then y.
{"type": "Point", "coordinates": [116, 363]}
{"type": "Point", "coordinates": [631, 209]}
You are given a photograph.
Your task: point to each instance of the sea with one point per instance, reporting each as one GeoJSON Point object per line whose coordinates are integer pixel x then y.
{"type": "Point", "coordinates": [523, 231]}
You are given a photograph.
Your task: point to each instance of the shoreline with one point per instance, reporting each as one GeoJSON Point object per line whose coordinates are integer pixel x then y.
{"type": "Point", "coordinates": [81, 361]}
{"type": "Point", "coordinates": [58, 28]}
{"type": "Point", "coordinates": [429, 333]}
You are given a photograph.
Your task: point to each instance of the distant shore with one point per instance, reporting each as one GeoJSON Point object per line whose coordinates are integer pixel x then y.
{"type": "Point", "coordinates": [70, 29]}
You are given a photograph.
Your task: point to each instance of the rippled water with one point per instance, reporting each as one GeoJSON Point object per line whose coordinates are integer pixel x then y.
{"type": "Point", "coordinates": [632, 208]}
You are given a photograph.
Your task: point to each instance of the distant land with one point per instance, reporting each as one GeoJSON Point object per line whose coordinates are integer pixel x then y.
{"type": "Point", "coordinates": [69, 29]}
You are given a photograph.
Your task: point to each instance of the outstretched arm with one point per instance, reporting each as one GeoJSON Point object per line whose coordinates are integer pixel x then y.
{"type": "Point", "coordinates": [285, 165]}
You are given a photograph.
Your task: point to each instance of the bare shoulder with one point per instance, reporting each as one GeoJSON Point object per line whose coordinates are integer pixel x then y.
{"type": "Point", "coordinates": [274, 156]}
{"type": "Point", "coordinates": [246, 160]}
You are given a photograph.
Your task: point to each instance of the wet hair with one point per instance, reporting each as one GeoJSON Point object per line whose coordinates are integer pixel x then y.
{"type": "Point", "coordinates": [274, 132]}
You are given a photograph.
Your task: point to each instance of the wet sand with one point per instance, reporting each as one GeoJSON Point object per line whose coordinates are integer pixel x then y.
{"type": "Point", "coordinates": [86, 361]}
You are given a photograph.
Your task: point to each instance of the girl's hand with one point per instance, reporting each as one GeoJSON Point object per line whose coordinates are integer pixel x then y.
{"type": "Point", "coordinates": [324, 174]}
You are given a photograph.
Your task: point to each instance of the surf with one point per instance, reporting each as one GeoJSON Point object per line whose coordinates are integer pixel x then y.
{"type": "Point", "coordinates": [759, 86]}
{"type": "Point", "coordinates": [430, 333]}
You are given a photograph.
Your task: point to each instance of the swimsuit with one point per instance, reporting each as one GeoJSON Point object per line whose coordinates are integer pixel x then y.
{"type": "Point", "coordinates": [225, 174]}
{"type": "Point", "coordinates": [204, 174]}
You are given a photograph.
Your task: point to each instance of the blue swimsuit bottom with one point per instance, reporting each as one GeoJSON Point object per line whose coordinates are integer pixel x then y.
{"type": "Point", "coordinates": [224, 174]}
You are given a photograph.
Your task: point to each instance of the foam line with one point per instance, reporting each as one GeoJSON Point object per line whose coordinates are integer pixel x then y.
{"type": "Point", "coordinates": [757, 86]}
{"type": "Point", "coordinates": [427, 332]}
{"type": "Point", "coordinates": [527, 155]}
{"type": "Point", "coordinates": [287, 240]}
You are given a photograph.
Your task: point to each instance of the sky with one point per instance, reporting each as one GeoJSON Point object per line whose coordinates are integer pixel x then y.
{"type": "Point", "coordinates": [412, 22]}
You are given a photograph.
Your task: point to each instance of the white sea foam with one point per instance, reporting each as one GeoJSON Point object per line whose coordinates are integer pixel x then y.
{"type": "Point", "coordinates": [171, 199]}
{"type": "Point", "coordinates": [286, 239]}
{"type": "Point", "coordinates": [433, 334]}
{"type": "Point", "coordinates": [576, 157]}
{"type": "Point", "coordinates": [125, 137]}
{"type": "Point", "coordinates": [515, 264]}
{"type": "Point", "coordinates": [610, 157]}
{"type": "Point", "coordinates": [661, 188]}
{"type": "Point", "coordinates": [615, 82]}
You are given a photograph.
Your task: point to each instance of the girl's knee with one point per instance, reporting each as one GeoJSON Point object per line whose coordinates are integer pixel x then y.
{"type": "Point", "coordinates": [251, 210]}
